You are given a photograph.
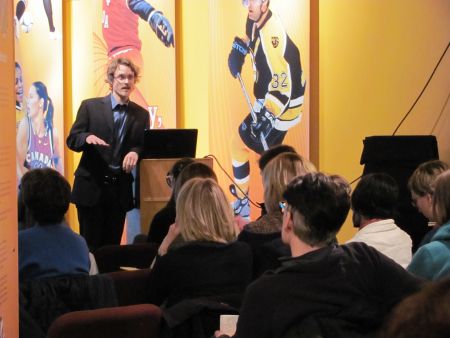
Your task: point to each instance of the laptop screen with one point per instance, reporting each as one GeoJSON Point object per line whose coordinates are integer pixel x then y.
{"type": "Point", "coordinates": [170, 143]}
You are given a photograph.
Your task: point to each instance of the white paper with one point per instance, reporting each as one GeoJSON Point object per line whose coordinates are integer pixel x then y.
{"type": "Point", "coordinates": [228, 324]}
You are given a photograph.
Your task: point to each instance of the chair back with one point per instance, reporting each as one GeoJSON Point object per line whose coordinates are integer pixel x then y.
{"type": "Point", "coordinates": [131, 286]}
{"type": "Point", "coordinates": [111, 257]}
{"type": "Point", "coordinates": [135, 321]}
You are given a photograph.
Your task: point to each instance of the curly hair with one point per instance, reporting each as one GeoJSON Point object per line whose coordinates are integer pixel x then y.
{"type": "Point", "coordinates": [121, 61]}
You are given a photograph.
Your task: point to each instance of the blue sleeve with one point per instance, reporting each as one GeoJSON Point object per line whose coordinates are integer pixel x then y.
{"type": "Point", "coordinates": [422, 263]}
{"type": "Point", "coordinates": [141, 8]}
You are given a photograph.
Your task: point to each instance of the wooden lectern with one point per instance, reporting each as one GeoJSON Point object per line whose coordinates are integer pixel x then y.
{"type": "Point", "coordinates": [155, 193]}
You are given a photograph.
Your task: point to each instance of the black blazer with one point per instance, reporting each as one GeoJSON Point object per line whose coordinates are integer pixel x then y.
{"type": "Point", "coordinates": [95, 117]}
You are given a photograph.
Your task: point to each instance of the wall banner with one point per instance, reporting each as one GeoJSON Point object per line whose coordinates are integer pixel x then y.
{"type": "Point", "coordinates": [39, 85]}
{"type": "Point", "coordinates": [267, 43]}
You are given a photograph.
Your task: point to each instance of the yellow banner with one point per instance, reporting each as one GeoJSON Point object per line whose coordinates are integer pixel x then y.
{"type": "Point", "coordinates": [275, 79]}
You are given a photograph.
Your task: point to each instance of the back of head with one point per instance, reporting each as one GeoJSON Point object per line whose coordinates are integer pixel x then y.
{"type": "Point", "coordinates": [179, 165]}
{"type": "Point", "coordinates": [196, 169]}
{"type": "Point", "coordinates": [424, 314]}
{"type": "Point", "coordinates": [278, 173]}
{"type": "Point", "coordinates": [272, 152]}
{"type": "Point", "coordinates": [319, 204]}
{"type": "Point", "coordinates": [375, 196]}
{"type": "Point", "coordinates": [204, 213]}
{"type": "Point", "coordinates": [46, 194]}
{"type": "Point", "coordinates": [441, 198]}
{"type": "Point", "coordinates": [422, 179]}
{"type": "Point", "coordinates": [176, 170]}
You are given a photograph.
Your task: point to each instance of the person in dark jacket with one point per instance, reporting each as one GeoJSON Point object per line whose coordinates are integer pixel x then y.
{"type": "Point", "coordinates": [164, 218]}
{"type": "Point", "coordinates": [264, 234]}
{"type": "Point", "coordinates": [209, 262]}
{"type": "Point", "coordinates": [340, 291]}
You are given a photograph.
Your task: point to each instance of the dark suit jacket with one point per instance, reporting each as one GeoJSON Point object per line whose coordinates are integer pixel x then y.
{"type": "Point", "coordinates": [95, 117]}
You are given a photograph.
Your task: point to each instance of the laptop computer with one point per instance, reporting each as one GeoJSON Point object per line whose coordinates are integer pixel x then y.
{"type": "Point", "coordinates": [170, 143]}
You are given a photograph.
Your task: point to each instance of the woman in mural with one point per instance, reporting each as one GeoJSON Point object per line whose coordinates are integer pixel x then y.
{"type": "Point", "coordinates": [19, 94]}
{"type": "Point", "coordinates": [37, 139]}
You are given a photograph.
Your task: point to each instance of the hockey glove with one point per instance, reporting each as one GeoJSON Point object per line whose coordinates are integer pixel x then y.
{"type": "Point", "coordinates": [263, 125]}
{"type": "Point", "coordinates": [162, 28]}
{"type": "Point", "coordinates": [237, 56]}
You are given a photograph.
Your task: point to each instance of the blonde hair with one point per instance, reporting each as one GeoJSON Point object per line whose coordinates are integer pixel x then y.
{"type": "Point", "coordinates": [278, 173]}
{"type": "Point", "coordinates": [422, 179]}
{"type": "Point", "coordinates": [441, 198]}
{"type": "Point", "coordinates": [204, 213]}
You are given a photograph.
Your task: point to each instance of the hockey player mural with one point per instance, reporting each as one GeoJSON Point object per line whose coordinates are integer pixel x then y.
{"type": "Point", "coordinates": [278, 90]}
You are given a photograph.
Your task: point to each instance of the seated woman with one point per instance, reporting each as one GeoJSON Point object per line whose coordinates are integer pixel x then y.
{"type": "Point", "coordinates": [50, 248]}
{"type": "Point", "coordinates": [166, 216]}
{"type": "Point", "coordinates": [421, 187]}
{"type": "Point", "coordinates": [209, 263]}
{"type": "Point", "coordinates": [264, 234]}
{"type": "Point", "coordinates": [432, 260]}
{"type": "Point", "coordinates": [195, 169]}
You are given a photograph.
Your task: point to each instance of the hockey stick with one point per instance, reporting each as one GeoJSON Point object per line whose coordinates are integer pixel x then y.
{"type": "Point", "coordinates": [252, 112]}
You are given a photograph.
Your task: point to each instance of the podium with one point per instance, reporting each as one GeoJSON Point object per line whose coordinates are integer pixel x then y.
{"type": "Point", "coordinates": [154, 191]}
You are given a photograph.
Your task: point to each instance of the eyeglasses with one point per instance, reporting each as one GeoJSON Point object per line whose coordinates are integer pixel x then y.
{"type": "Point", "coordinates": [123, 78]}
{"type": "Point", "coordinates": [169, 179]}
{"type": "Point", "coordinates": [246, 3]}
{"type": "Point", "coordinates": [282, 205]}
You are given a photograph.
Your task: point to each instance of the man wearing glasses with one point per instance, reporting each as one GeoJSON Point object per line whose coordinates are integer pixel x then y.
{"type": "Point", "coordinates": [109, 131]}
{"type": "Point", "coordinates": [323, 290]}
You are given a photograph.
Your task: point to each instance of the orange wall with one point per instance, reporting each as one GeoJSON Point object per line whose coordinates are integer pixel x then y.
{"type": "Point", "coordinates": [374, 59]}
{"type": "Point", "coordinates": [9, 309]}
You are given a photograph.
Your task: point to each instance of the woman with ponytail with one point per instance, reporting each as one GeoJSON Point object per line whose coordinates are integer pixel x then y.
{"type": "Point", "coordinates": [37, 139]}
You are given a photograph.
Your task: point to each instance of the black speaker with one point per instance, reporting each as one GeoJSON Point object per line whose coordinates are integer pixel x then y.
{"type": "Point", "coordinates": [399, 156]}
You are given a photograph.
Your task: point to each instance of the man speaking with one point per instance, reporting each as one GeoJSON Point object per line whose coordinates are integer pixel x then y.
{"type": "Point", "coordinates": [109, 131]}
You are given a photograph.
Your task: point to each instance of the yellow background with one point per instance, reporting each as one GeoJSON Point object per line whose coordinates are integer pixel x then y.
{"type": "Point", "coordinates": [374, 57]}
{"type": "Point", "coordinates": [368, 62]}
{"type": "Point", "coordinates": [41, 59]}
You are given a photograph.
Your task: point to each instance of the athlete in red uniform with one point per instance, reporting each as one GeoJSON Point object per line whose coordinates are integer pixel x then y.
{"type": "Point", "coordinates": [120, 30]}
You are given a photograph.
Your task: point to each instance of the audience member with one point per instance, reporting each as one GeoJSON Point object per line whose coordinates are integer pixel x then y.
{"type": "Point", "coordinates": [273, 152]}
{"type": "Point", "coordinates": [374, 201]}
{"type": "Point", "coordinates": [210, 262]}
{"type": "Point", "coordinates": [50, 248]}
{"type": "Point", "coordinates": [432, 261]}
{"type": "Point", "coordinates": [264, 234]}
{"type": "Point", "coordinates": [164, 218]}
{"type": "Point", "coordinates": [425, 314]}
{"type": "Point", "coordinates": [267, 156]}
{"type": "Point", "coordinates": [196, 169]}
{"type": "Point", "coordinates": [346, 290]}
{"type": "Point", "coordinates": [421, 186]}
